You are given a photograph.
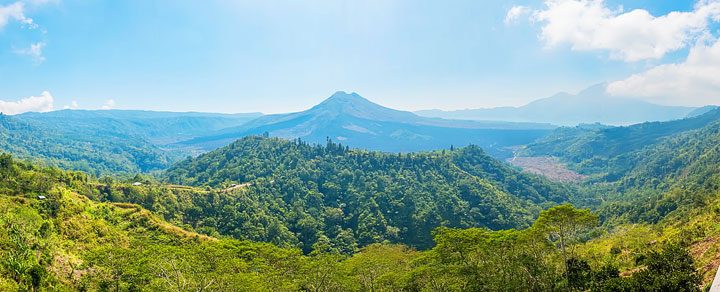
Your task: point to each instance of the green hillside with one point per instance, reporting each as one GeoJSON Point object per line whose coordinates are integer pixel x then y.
{"type": "Point", "coordinates": [680, 173]}
{"type": "Point", "coordinates": [108, 141]}
{"type": "Point", "coordinates": [67, 241]}
{"type": "Point", "coordinates": [90, 149]}
{"type": "Point", "coordinates": [159, 128]}
{"type": "Point", "coordinates": [608, 153]}
{"type": "Point", "coordinates": [267, 214]}
{"type": "Point", "coordinates": [362, 197]}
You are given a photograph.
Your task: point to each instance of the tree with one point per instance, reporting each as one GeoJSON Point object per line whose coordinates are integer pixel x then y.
{"type": "Point", "coordinates": [377, 267]}
{"type": "Point", "coordinates": [671, 269]}
{"type": "Point", "coordinates": [562, 225]}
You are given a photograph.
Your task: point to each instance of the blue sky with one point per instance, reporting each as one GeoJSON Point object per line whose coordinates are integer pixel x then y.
{"type": "Point", "coordinates": [279, 56]}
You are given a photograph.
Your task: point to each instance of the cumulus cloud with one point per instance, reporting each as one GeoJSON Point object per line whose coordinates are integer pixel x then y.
{"type": "Point", "coordinates": [588, 25]}
{"type": "Point", "coordinates": [42, 103]}
{"type": "Point", "coordinates": [515, 13]}
{"type": "Point", "coordinates": [109, 104]}
{"type": "Point", "coordinates": [694, 82]}
{"type": "Point", "coordinates": [35, 51]}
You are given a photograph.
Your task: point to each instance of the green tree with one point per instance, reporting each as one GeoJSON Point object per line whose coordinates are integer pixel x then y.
{"type": "Point", "coordinates": [670, 269]}
{"type": "Point", "coordinates": [562, 225]}
{"type": "Point", "coordinates": [377, 267]}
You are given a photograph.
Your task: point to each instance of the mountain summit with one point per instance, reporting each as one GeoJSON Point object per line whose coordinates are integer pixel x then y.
{"type": "Point", "coordinates": [355, 121]}
{"type": "Point", "coordinates": [352, 104]}
{"type": "Point", "coordinates": [342, 97]}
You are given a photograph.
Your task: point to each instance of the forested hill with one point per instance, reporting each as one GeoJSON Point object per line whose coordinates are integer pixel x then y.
{"type": "Point", "coordinates": [606, 151]}
{"type": "Point", "coordinates": [332, 191]}
{"type": "Point", "coordinates": [56, 236]}
{"type": "Point", "coordinates": [679, 173]}
{"type": "Point", "coordinates": [91, 149]}
{"type": "Point", "coordinates": [645, 172]}
{"type": "Point", "coordinates": [157, 127]}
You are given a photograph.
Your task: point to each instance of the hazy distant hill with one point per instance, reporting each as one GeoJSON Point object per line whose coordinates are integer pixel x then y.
{"type": "Point", "coordinates": [93, 150]}
{"type": "Point", "coordinates": [107, 141]}
{"type": "Point", "coordinates": [357, 122]}
{"type": "Point", "coordinates": [158, 127]}
{"type": "Point", "coordinates": [702, 110]}
{"type": "Point", "coordinates": [592, 105]}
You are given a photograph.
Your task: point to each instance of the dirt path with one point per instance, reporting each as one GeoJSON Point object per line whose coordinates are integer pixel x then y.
{"type": "Point", "coordinates": [235, 187]}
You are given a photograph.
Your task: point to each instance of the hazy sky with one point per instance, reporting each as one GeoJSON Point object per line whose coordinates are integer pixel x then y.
{"type": "Point", "coordinates": [279, 56]}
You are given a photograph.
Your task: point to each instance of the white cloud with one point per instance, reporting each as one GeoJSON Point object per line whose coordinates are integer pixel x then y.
{"type": "Point", "coordinates": [515, 13]}
{"type": "Point", "coordinates": [72, 105]}
{"type": "Point", "coordinates": [588, 25]}
{"type": "Point", "coordinates": [42, 103]}
{"type": "Point", "coordinates": [35, 51]}
{"type": "Point", "coordinates": [16, 12]}
{"type": "Point", "coordinates": [109, 104]}
{"type": "Point", "coordinates": [694, 82]}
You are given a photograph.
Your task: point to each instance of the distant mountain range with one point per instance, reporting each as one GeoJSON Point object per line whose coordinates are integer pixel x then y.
{"type": "Point", "coordinates": [103, 141]}
{"type": "Point", "coordinates": [353, 120]}
{"type": "Point", "coordinates": [592, 105]}
{"type": "Point", "coordinates": [157, 126]}
{"type": "Point", "coordinates": [108, 141]}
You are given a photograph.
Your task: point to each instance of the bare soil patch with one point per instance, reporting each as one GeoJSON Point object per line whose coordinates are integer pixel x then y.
{"type": "Point", "coordinates": [549, 167]}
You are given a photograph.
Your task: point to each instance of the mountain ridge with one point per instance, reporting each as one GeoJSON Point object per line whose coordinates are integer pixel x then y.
{"type": "Point", "coordinates": [358, 122]}
{"type": "Point", "coordinates": [591, 105]}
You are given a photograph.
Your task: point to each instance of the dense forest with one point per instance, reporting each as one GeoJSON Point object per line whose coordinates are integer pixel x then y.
{"type": "Point", "coordinates": [641, 173]}
{"type": "Point", "coordinates": [65, 241]}
{"type": "Point", "coordinates": [298, 193]}
{"type": "Point", "coordinates": [608, 153]}
{"type": "Point", "coordinates": [676, 175]}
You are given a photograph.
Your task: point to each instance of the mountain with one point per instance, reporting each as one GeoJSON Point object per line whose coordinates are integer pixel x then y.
{"type": "Point", "coordinates": [610, 151]}
{"type": "Point", "coordinates": [702, 110]}
{"type": "Point", "coordinates": [158, 127]}
{"type": "Point", "coordinates": [645, 172]}
{"type": "Point", "coordinates": [592, 105]}
{"type": "Point", "coordinates": [678, 173]}
{"type": "Point", "coordinates": [378, 196]}
{"type": "Point", "coordinates": [357, 122]}
{"type": "Point", "coordinates": [91, 148]}
{"type": "Point", "coordinates": [108, 141]}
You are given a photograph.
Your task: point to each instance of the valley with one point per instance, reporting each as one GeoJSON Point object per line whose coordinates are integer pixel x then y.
{"type": "Point", "coordinates": [360, 146]}
{"type": "Point", "coordinates": [549, 167]}
{"type": "Point", "coordinates": [646, 192]}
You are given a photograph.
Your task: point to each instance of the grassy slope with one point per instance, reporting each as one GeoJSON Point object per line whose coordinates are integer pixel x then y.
{"type": "Point", "coordinates": [68, 242]}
